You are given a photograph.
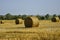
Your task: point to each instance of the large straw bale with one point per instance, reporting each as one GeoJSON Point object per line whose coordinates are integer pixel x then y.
{"type": "Point", "coordinates": [31, 22]}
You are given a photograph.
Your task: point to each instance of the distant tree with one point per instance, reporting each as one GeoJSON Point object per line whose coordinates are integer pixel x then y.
{"type": "Point", "coordinates": [8, 16]}
{"type": "Point", "coordinates": [47, 16]}
{"type": "Point", "coordinates": [38, 16]}
{"type": "Point", "coordinates": [24, 16]}
{"type": "Point", "coordinates": [15, 16]}
{"type": "Point", "coordinates": [19, 16]}
{"type": "Point", "coordinates": [42, 17]}
{"type": "Point", "coordinates": [54, 15]}
{"type": "Point", "coordinates": [1, 17]}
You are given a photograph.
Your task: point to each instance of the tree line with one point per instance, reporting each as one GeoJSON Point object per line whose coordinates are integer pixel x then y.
{"type": "Point", "coordinates": [8, 16]}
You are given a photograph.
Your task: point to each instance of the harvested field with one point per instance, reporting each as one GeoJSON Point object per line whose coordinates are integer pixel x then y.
{"type": "Point", "coordinates": [47, 30]}
{"type": "Point", "coordinates": [30, 34]}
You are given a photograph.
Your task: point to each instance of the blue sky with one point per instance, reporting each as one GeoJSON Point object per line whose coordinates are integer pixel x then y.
{"type": "Point", "coordinates": [29, 7]}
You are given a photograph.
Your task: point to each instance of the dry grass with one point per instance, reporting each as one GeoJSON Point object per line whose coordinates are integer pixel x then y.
{"type": "Point", "coordinates": [49, 24]}
{"type": "Point", "coordinates": [31, 34]}
{"type": "Point", "coordinates": [47, 30]}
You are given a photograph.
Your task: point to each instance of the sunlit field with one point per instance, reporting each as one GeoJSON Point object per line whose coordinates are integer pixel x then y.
{"type": "Point", "coordinates": [47, 30]}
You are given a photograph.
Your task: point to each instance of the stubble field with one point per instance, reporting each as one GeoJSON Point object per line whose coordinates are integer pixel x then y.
{"type": "Point", "coordinates": [47, 30]}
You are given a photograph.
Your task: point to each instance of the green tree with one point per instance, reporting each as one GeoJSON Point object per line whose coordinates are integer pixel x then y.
{"type": "Point", "coordinates": [8, 16]}
{"type": "Point", "coordinates": [24, 16]}
{"type": "Point", "coordinates": [42, 17]}
{"type": "Point", "coordinates": [1, 17]}
{"type": "Point", "coordinates": [19, 16]}
{"type": "Point", "coordinates": [47, 16]}
{"type": "Point", "coordinates": [14, 17]}
{"type": "Point", "coordinates": [54, 15]}
{"type": "Point", "coordinates": [38, 16]}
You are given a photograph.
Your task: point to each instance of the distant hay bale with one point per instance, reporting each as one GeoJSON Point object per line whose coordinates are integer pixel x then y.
{"type": "Point", "coordinates": [1, 22]}
{"type": "Point", "coordinates": [18, 21]}
{"type": "Point", "coordinates": [31, 22]}
{"type": "Point", "coordinates": [55, 19]}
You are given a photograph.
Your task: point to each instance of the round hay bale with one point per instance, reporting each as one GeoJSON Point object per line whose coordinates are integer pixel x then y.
{"type": "Point", "coordinates": [31, 22]}
{"type": "Point", "coordinates": [1, 22]}
{"type": "Point", "coordinates": [18, 21]}
{"type": "Point", "coordinates": [55, 19]}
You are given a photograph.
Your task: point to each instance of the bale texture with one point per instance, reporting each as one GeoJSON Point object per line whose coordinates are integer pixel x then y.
{"type": "Point", "coordinates": [31, 22]}
{"type": "Point", "coordinates": [55, 19]}
{"type": "Point", "coordinates": [18, 21]}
